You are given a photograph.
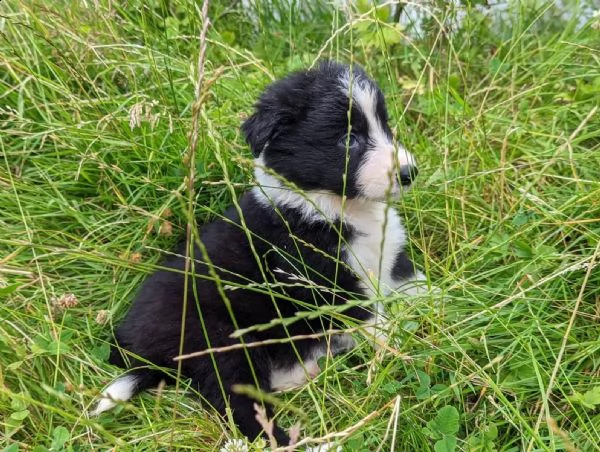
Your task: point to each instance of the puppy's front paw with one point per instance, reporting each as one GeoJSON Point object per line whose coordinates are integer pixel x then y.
{"type": "Point", "coordinates": [326, 447]}
{"type": "Point", "coordinates": [417, 286]}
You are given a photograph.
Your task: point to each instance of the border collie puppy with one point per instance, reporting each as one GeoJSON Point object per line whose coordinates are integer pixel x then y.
{"type": "Point", "coordinates": [315, 232]}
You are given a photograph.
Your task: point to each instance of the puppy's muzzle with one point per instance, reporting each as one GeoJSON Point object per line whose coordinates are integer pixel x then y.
{"type": "Point", "coordinates": [407, 174]}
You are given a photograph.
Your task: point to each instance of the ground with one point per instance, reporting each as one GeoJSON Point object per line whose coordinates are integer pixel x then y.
{"type": "Point", "coordinates": [97, 103]}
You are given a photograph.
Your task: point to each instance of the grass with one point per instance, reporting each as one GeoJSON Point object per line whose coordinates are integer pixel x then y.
{"type": "Point", "coordinates": [96, 106]}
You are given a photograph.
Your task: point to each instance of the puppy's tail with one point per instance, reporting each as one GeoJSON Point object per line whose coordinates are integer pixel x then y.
{"type": "Point", "coordinates": [125, 387]}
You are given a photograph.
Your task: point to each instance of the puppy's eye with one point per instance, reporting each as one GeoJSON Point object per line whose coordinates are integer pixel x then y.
{"type": "Point", "coordinates": [351, 142]}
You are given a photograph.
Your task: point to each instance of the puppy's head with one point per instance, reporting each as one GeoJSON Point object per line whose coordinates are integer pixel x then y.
{"type": "Point", "coordinates": [326, 129]}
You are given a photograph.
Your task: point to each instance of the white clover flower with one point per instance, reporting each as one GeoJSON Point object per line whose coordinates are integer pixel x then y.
{"type": "Point", "coordinates": [235, 445]}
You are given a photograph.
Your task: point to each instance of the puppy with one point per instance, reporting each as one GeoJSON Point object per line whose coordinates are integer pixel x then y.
{"type": "Point", "coordinates": [315, 232]}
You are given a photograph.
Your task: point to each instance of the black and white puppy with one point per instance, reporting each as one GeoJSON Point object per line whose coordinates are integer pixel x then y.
{"type": "Point", "coordinates": [314, 232]}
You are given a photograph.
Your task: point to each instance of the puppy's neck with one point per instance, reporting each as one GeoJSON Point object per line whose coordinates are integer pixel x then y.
{"type": "Point", "coordinates": [313, 205]}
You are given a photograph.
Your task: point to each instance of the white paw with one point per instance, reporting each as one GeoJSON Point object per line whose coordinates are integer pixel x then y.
{"type": "Point", "coordinates": [417, 286]}
{"type": "Point", "coordinates": [326, 447]}
{"type": "Point", "coordinates": [377, 327]}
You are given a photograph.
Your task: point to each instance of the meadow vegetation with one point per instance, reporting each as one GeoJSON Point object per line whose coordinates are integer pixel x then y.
{"type": "Point", "coordinates": [96, 106]}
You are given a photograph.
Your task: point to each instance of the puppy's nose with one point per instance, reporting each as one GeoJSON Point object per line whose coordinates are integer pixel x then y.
{"type": "Point", "coordinates": [407, 174]}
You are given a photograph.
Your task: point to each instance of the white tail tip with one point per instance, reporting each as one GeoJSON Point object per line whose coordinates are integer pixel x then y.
{"type": "Point", "coordinates": [118, 391]}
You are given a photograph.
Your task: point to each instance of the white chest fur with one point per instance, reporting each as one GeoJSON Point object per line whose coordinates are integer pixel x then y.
{"type": "Point", "coordinates": [377, 239]}
{"type": "Point", "coordinates": [378, 234]}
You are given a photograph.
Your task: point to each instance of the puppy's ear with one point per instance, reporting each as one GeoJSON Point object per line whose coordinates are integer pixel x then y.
{"type": "Point", "coordinates": [279, 107]}
{"type": "Point", "coordinates": [260, 128]}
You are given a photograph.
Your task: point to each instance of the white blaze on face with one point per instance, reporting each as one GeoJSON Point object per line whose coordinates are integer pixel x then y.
{"type": "Point", "coordinates": [375, 177]}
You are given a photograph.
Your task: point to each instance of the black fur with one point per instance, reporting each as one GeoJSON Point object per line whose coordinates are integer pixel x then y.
{"type": "Point", "coordinates": [302, 120]}
{"type": "Point", "coordinates": [403, 267]}
{"type": "Point", "coordinates": [297, 129]}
